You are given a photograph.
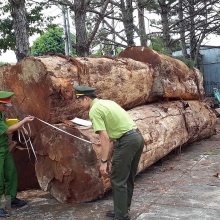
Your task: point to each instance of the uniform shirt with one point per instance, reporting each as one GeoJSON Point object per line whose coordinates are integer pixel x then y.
{"type": "Point", "coordinates": [3, 129]}
{"type": "Point", "coordinates": [109, 116]}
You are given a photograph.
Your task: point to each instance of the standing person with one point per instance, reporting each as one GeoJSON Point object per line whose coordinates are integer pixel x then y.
{"type": "Point", "coordinates": [8, 173]}
{"type": "Point", "coordinates": [113, 123]}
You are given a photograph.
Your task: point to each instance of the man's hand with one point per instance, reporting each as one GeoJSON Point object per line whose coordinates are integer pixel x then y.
{"type": "Point", "coordinates": [16, 126]}
{"type": "Point", "coordinates": [103, 169]}
{"type": "Point", "coordinates": [28, 118]}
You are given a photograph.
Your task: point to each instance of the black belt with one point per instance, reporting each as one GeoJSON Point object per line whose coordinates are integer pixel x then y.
{"type": "Point", "coordinates": [130, 132]}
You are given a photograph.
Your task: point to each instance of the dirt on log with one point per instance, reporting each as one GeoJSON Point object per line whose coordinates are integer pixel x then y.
{"type": "Point", "coordinates": [173, 78]}
{"type": "Point", "coordinates": [70, 169]}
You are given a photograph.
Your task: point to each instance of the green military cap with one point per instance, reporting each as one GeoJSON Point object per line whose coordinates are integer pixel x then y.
{"type": "Point", "coordinates": [5, 97]}
{"type": "Point", "coordinates": [83, 91]}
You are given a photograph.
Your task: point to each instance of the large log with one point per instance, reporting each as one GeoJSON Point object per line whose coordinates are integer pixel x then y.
{"type": "Point", "coordinates": [43, 85]}
{"type": "Point", "coordinates": [173, 78]}
{"type": "Point", "coordinates": [70, 169]}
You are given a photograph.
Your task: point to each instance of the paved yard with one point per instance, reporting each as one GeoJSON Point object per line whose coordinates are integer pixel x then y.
{"type": "Point", "coordinates": [183, 185]}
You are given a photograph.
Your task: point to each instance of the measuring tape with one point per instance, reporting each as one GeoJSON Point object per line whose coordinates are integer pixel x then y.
{"type": "Point", "coordinates": [26, 132]}
{"type": "Point", "coordinates": [65, 132]}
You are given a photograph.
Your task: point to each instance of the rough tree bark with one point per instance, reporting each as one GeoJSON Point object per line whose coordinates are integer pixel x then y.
{"type": "Point", "coordinates": [141, 22]}
{"type": "Point", "coordinates": [128, 21]}
{"type": "Point", "coordinates": [165, 9]}
{"type": "Point", "coordinates": [182, 28]}
{"type": "Point", "coordinates": [82, 48]}
{"type": "Point", "coordinates": [20, 26]}
{"type": "Point", "coordinates": [193, 38]}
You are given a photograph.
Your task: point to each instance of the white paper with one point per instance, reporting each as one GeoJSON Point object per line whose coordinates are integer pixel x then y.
{"type": "Point", "coordinates": [82, 122]}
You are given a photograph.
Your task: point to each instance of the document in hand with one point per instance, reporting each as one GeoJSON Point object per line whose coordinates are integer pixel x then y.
{"type": "Point", "coordinates": [82, 122]}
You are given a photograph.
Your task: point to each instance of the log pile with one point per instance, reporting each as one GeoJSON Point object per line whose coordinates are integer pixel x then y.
{"type": "Point", "coordinates": [71, 172]}
{"type": "Point", "coordinates": [68, 167]}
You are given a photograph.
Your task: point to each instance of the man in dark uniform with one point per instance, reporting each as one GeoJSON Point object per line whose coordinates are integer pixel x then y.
{"type": "Point", "coordinates": [8, 173]}
{"type": "Point", "coordinates": [113, 123]}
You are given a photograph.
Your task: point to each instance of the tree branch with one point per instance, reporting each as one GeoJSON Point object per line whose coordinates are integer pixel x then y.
{"type": "Point", "coordinates": [98, 22]}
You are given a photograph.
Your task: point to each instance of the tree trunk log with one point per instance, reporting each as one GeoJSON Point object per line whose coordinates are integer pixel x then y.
{"type": "Point", "coordinates": [43, 86]}
{"type": "Point", "coordinates": [20, 26]}
{"type": "Point", "coordinates": [70, 169]}
{"type": "Point", "coordinates": [47, 82]}
{"type": "Point", "coordinates": [173, 78]}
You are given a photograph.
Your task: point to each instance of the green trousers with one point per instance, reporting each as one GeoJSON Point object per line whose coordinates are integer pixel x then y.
{"type": "Point", "coordinates": [8, 174]}
{"type": "Point", "coordinates": [126, 156]}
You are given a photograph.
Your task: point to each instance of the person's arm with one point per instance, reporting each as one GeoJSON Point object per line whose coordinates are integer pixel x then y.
{"type": "Point", "coordinates": [15, 127]}
{"type": "Point", "coordinates": [105, 146]}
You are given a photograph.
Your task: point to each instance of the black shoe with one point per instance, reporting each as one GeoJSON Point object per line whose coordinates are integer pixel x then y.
{"type": "Point", "coordinates": [3, 213]}
{"type": "Point", "coordinates": [127, 218]}
{"type": "Point", "coordinates": [110, 213]}
{"type": "Point", "coordinates": [18, 203]}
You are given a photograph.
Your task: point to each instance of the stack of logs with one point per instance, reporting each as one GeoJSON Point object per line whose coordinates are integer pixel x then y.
{"type": "Point", "coordinates": [162, 95]}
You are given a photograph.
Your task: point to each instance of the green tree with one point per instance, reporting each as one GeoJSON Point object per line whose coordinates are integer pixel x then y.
{"type": "Point", "coordinates": [50, 42]}
{"type": "Point", "coordinates": [157, 44]}
{"type": "Point", "coordinates": [36, 22]}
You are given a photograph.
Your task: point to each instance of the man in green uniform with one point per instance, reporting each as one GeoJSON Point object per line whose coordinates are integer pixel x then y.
{"type": "Point", "coordinates": [8, 173]}
{"type": "Point", "coordinates": [113, 123]}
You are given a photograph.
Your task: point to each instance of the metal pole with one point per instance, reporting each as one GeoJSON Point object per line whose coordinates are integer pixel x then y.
{"type": "Point", "coordinates": [65, 31]}
{"type": "Point", "coordinates": [68, 33]}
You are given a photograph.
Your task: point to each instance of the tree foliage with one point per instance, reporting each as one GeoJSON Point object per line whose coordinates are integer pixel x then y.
{"type": "Point", "coordinates": [189, 21]}
{"type": "Point", "coordinates": [50, 42]}
{"type": "Point", "coordinates": [158, 45]}
{"type": "Point", "coordinates": [37, 22]}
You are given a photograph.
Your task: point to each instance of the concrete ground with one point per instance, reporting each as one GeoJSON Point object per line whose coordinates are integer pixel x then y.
{"type": "Point", "coordinates": [183, 185]}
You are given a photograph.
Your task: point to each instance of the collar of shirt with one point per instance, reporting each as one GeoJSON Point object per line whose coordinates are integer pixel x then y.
{"type": "Point", "coordinates": [93, 102]}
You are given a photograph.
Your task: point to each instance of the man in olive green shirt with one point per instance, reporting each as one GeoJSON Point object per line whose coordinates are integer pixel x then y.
{"type": "Point", "coordinates": [113, 123]}
{"type": "Point", "coordinates": [8, 173]}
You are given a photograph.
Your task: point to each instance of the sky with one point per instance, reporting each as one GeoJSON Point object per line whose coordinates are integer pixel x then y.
{"type": "Point", "coordinates": [10, 57]}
